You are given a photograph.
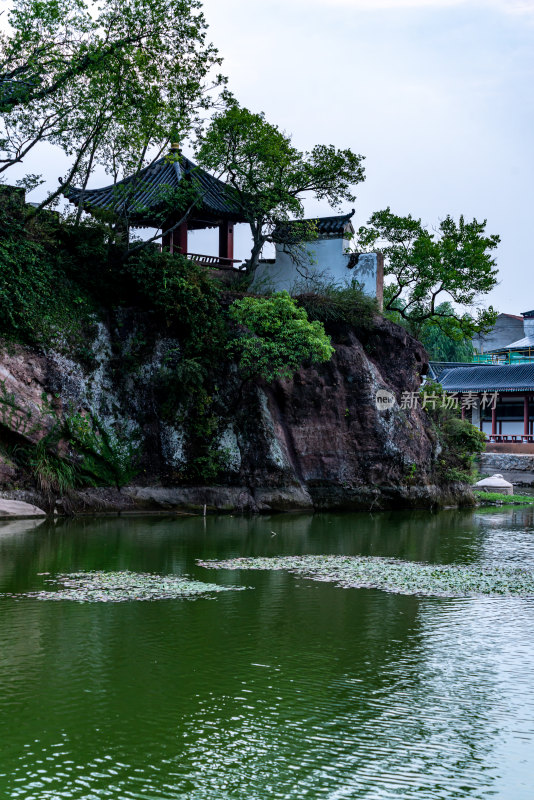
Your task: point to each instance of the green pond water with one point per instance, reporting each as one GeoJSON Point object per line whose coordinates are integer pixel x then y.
{"type": "Point", "coordinates": [291, 688]}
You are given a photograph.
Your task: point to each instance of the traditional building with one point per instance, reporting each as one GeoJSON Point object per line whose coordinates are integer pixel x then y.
{"type": "Point", "coordinates": [142, 201]}
{"type": "Point", "coordinates": [324, 260]}
{"type": "Point", "coordinates": [145, 200]}
{"type": "Point", "coordinates": [503, 398]}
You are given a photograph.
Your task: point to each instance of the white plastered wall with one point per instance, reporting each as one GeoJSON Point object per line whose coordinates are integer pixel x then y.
{"type": "Point", "coordinates": [323, 261]}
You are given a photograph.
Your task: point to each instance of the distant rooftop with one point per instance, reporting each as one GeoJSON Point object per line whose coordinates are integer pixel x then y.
{"type": "Point", "coordinates": [480, 378]}
{"type": "Point", "coordinates": [520, 344]}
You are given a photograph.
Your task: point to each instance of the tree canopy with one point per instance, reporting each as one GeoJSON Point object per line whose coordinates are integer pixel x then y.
{"type": "Point", "coordinates": [107, 85]}
{"type": "Point", "coordinates": [435, 277]}
{"type": "Point", "coordinates": [441, 346]}
{"type": "Point", "coordinates": [269, 175]}
{"type": "Point", "coordinates": [275, 337]}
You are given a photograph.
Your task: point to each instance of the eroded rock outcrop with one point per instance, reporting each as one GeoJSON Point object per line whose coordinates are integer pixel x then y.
{"type": "Point", "coordinates": [318, 441]}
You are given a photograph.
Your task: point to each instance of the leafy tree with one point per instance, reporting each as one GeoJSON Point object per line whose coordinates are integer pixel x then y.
{"type": "Point", "coordinates": [269, 175]}
{"type": "Point", "coordinates": [276, 337]}
{"type": "Point", "coordinates": [443, 339]}
{"type": "Point", "coordinates": [435, 278]}
{"type": "Point", "coordinates": [107, 85]}
{"type": "Point", "coordinates": [441, 346]}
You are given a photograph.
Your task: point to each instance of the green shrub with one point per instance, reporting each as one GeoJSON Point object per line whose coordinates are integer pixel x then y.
{"type": "Point", "coordinates": [335, 304]}
{"type": "Point", "coordinates": [209, 466]}
{"type": "Point", "coordinates": [185, 297]}
{"type": "Point", "coordinates": [179, 383]}
{"type": "Point", "coordinates": [52, 473]}
{"type": "Point", "coordinates": [275, 337]}
{"type": "Point", "coordinates": [42, 298]}
{"type": "Point", "coordinates": [460, 441]}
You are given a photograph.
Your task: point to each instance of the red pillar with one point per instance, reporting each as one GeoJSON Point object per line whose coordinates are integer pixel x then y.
{"type": "Point", "coordinates": [494, 420]}
{"type": "Point", "coordinates": [525, 415]}
{"type": "Point", "coordinates": [226, 240]}
{"type": "Point", "coordinates": [180, 238]}
{"type": "Point", "coordinates": [176, 240]}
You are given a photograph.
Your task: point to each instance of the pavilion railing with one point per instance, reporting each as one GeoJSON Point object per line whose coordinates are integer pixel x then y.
{"type": "Point", "coordinates": [215, 262]}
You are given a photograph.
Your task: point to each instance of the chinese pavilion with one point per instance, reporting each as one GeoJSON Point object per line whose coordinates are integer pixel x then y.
{"type": "Point", "coordinates": [142, 201]}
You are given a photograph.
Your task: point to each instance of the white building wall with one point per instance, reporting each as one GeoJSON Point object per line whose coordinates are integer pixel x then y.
{"type": "Point", "coordinates": [528, 324]}
{"type": "Point", "coordinates": [509, 427]}
{"type": "Point", "coordinates": [323, 261]}
{"type": "Point", "coordinates": [507, 329]}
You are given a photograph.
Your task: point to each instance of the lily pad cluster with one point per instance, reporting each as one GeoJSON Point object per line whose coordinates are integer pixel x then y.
{"type": "Point", "coordinates": [121, 587]}
{"type": "Point", "coordinates": [392, 575]}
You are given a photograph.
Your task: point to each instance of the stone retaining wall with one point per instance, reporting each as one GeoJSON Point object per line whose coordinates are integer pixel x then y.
{"type": "Point", "coordinates": [514, 467]}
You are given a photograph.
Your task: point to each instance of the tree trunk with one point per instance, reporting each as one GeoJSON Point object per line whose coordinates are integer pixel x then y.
{"type": "Point", "coordinates": [257, 246]}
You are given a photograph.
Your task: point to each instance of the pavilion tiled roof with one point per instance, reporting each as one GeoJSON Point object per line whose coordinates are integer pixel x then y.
{"type": "Point", "coordinates": [140, 196]}
{"type": "Point", "coordinates": [479, 378]}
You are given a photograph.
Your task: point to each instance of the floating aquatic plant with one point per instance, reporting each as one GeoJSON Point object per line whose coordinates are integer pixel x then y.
{"type": "Point", "coordinates": [391, 575]}
{"type": "Point", "coordinates": [121, 587]}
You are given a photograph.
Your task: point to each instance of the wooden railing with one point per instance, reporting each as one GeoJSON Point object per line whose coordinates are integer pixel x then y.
{"type": "Point", "coordinates": [215, 262]}
{"type": "Point", "coordinates": [510, 437]}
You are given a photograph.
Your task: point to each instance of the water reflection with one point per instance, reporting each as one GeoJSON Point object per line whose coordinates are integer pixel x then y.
{"type": "Point", "coordinates": [294, 689]}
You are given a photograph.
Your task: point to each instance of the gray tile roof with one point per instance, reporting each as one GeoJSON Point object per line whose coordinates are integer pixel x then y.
{"type": "Point", "coordinates": [480, 378]}
{"type": "Point", "coordinates": [437, 368]}
{"type": "Point", "coordinates": [140, 196]}
{"type": "Point", "coordinates": [527, 341]}
{"type": "Point", "coordinates": [333, 225]}
{"type": "Point", "coordinates": [325, 226]}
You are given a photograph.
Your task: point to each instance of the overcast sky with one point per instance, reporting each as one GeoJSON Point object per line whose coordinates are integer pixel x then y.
{"type": "Point", "coordinates": [437, 94]}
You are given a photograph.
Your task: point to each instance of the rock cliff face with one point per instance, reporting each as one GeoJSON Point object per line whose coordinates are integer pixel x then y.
{"type": "Point", "coordinates": [318, 441]}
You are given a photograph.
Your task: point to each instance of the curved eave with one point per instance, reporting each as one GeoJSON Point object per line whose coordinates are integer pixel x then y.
{"type": "Point", "coordinates": [164, 175]}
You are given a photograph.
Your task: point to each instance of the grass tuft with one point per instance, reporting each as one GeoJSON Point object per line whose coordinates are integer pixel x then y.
{"type": "Point", "coordinates": [497, 499]}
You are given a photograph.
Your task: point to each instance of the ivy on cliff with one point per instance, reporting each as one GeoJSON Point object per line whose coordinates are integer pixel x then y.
{"type": "Point", "coordinates": [58, 279]}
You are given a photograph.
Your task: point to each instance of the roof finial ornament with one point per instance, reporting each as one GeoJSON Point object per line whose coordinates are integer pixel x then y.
{"type": "Point", "coordinates": [175, 147]}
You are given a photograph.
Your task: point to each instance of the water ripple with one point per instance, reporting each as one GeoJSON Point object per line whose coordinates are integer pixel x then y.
{"type": "Point", "coordinates": [290, 691]}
